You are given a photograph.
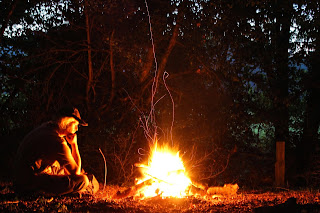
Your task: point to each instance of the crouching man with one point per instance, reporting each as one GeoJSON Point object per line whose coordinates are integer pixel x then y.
{"type": "Point", "coordinates": [48, 159]}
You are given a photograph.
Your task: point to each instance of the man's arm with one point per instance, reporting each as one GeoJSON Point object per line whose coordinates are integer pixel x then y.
{"type": "Point", "coordinates": [74, 165]}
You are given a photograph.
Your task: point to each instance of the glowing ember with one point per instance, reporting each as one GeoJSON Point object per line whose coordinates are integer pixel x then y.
{"type": "Point", "coordinates": [166, 170]}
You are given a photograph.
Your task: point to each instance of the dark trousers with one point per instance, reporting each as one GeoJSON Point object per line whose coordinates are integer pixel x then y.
{"type": "Point", "coordinates": [53, 184]}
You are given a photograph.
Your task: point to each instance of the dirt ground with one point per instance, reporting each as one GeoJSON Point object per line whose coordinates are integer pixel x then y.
{"type": "Point", "coordinates": [266, 200]}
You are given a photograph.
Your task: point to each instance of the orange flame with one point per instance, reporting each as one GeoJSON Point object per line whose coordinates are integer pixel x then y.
{"type": "Point", "coordinates": [167, 171]}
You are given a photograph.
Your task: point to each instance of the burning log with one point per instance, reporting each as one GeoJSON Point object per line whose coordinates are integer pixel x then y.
{"type": "Point", "coordinates": [227, 189]}
{"type": "Point", "coordinates": [140, 165]}
{"type": "Point", "coordinates": [194, 190]}
{"type": "Point", "coordinates": [132, 190]}
{"type": "Point", "coordinates": [165, 175]}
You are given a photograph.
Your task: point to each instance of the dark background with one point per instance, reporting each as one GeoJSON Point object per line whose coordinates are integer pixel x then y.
{"type": "Point", "coordinates": [242, 75]}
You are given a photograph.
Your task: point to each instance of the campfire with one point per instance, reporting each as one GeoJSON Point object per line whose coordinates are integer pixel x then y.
{"type": "Point", "coordinates": [164, 175]}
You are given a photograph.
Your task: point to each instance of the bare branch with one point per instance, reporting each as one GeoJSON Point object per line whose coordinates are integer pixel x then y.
{"type": "Point", "coordinates": [5, 22]}
{"type": "Point", "coordinates": [90, 68]}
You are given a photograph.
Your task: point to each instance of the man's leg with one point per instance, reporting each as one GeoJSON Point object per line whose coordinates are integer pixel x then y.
{"type": "Point", "coordinates": [60, 185]}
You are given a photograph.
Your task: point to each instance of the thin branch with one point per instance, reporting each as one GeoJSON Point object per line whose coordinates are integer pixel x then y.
{"type": "Point", "coordinates": [90, 68]}
{"type": "Point", "coordinates": [113, 74]}
{"type": "Point", "coordinates": [5, 22]}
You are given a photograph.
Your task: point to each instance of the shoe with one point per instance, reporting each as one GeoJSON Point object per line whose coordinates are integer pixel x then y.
{"type": "Point", "coordinates": [93, 186]}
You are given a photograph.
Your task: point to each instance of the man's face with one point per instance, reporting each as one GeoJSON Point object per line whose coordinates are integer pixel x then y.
{"type": "Point", "coordinates": [72, 126]}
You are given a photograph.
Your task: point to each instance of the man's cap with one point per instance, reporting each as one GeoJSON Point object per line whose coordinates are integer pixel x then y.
{"type": "Point", "coordinates": [70, 111]}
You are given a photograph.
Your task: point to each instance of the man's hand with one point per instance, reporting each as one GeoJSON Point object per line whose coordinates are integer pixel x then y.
{"type": "Point", "coordinates": [72, 139]}
{"type": "Point", "coordinates": [75, 167]}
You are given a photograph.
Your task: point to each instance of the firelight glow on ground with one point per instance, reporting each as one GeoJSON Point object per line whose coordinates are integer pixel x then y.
{"type": "Point", "coordinates": [166, 169]}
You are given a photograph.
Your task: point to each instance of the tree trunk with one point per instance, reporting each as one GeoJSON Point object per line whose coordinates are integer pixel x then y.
{"type": "Point", "coordinates": [164, 60]}
{"type": "Point", "coordinates": [147, 66]}
{"type": "Point", "coordinates": [90, 68]}
{"type": "Point", "coordinates": [113, 73]}
{"type": "Point", "coordinates": [308, 143]}
{"type": "Point", "coordinates": [281, 83]}
{"type": "Point", "coordinates": [280, 163]}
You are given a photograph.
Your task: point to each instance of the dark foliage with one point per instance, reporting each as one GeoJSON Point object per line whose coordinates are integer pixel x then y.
{"type": "Point", "coordinates": [223, 82]}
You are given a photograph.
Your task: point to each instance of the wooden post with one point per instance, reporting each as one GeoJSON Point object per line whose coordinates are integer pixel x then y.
{"type": "Point", "coordinates": [280, 163]}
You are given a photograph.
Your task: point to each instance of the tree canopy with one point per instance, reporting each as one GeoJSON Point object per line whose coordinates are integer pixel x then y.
{"type": "Point", "coordinates": [211, 77]}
